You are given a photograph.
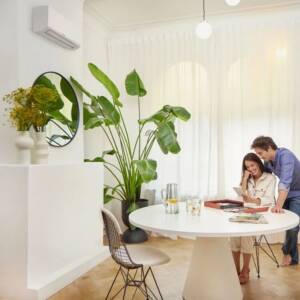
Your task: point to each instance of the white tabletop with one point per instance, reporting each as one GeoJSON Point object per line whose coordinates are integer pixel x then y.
{"type": "Point", "coordinates": [211, 223]}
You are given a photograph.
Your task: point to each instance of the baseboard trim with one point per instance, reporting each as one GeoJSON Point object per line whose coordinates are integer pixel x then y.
{"type": "Point", "coordinates": [59, 280]}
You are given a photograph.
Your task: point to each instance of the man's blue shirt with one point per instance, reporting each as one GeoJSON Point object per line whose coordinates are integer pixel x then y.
{"type": "Point", "coordinates": [286, 167]}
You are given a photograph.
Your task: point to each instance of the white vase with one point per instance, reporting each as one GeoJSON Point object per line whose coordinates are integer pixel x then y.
{"type": "Point", "coordinates": [24, 143]}
{"type": "Point", "coordinates": [41, 148]}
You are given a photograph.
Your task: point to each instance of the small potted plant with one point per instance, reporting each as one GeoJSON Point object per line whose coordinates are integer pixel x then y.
{"type": "Point", "coordinates": [45, 101]}
{"type": "Point", "coordinates": [132, 165]}
{"type": "Point", "coordinates": [26, 108]}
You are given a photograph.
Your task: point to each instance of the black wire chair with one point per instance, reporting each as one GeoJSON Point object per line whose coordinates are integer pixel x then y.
{"type": "Point", "coordinates": [134, 274]}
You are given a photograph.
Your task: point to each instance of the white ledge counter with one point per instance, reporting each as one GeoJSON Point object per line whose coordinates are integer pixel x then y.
{"type": "Point", "coordinates": [211, 257]}
{"type": "Point", "coordinates": [50, 231]}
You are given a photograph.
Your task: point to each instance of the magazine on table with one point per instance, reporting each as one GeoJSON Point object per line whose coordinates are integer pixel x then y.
{"type": "Point", "coordinates": [249, 218]}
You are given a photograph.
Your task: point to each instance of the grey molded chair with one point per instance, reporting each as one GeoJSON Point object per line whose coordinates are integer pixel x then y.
{"type": "Point", "coordinates": [135, 262]}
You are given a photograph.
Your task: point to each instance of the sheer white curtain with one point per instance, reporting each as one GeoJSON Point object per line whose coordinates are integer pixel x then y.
{"type": "Point", "coordinates": [242, 82]}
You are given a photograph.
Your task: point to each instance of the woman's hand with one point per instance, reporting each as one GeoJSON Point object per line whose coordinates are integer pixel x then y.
{"type": "Point", "coordinates": [246, 175]}
{"type": "Point", "coordinates": [247, 198]}
{"type": "Point", "coordinates": [250, 199]}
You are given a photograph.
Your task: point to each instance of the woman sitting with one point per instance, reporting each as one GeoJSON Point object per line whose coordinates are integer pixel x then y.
{"type": "Point", "coordinates": [259, 188]}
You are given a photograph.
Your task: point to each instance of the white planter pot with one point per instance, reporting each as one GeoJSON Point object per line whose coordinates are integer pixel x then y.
{"type": "Point", "coordinates": [24, 143]}
{"type": "Point", "coordinates": [41, 148]}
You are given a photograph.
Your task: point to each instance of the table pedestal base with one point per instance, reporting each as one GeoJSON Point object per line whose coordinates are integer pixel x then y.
{"type": "Point", "coordinates": [212, 274]}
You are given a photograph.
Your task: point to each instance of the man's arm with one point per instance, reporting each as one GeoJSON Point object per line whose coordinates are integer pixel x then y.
{"type": "Point", "coordinates": [282, 195]}
{"type": "Point", "coordinates": [285, 180]}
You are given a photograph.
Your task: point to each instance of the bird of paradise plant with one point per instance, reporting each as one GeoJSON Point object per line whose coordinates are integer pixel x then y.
{"type": "Point", "coordinates": [132, 166]}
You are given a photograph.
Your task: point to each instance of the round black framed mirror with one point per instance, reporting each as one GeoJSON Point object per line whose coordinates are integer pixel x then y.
{"type": "Point", "coordinates": [63, 123]}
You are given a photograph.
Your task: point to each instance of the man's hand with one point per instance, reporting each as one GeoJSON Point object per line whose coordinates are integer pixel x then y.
{"type": "Point", "coordinates": [282, 195]}
{"type": "Point", "coordinates": [277, 209]}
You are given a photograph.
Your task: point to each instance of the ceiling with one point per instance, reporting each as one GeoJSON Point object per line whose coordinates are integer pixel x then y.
{"type": "Point", "coordinates": [127, 13]}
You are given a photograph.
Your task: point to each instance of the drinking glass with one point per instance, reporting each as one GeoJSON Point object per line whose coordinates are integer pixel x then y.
{"type": "Point", "coordinates": [193, 206]}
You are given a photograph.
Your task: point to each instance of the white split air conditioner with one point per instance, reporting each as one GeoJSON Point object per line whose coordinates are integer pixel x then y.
{"type": "Point", "coordinates": [53, 26]}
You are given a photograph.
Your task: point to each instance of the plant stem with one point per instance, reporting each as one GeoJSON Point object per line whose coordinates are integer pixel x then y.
{"type": "Point", "coordinates": [139, 136]}
{"type": "Point", "coordinates": [113, 174]}
{"type": "Point", "coordinates": [137, 139]}
{"type": "Point", "coordinates": [60, 128]}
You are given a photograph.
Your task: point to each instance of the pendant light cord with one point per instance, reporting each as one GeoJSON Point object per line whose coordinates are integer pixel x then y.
{"type": "Point", "coordinates": [203, 9]}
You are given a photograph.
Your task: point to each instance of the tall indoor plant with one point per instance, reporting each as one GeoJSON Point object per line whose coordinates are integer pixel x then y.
{"type": "Point", "coordinates": [132, 166]}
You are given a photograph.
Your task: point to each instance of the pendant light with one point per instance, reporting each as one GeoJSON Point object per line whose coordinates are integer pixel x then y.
{"type": "Point", "coordinates": [203, 29]}
{"type": "Point", "coordinates": [232, 2]}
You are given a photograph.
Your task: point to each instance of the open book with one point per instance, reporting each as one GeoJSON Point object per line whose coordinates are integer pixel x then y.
{"type": "Point", "coordinates": [249, 218]}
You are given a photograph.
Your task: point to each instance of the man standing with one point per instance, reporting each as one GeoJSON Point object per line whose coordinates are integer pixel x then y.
{"type": "Point", "coordinates": [283, 163]}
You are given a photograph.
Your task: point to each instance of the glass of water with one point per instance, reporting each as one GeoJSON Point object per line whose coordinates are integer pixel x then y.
{"type": "Point", "coordinates": [193, 206]}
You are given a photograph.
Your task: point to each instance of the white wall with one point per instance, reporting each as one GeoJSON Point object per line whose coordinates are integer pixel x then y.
{"type": "Point", "coordinates": [95, 40]}
{"type": "Point", "coordinates": [53, 232]}
{"type": "Point", "coordinates": [24, 55]}
{"type": "Point", "coordinates": [95, 36]}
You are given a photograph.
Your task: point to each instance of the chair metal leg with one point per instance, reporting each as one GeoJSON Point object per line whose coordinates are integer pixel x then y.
{"type": "Point", "coordinates": [141, 284]}
{"type": "Point", "coordinates": [274, 258]}
{"type": "Point", "coordinates": [136, 286]}
{"type": "Point", "coordinates": [113, 283]}
{"type": "Point", "coordinates": [144, 282]}
{"type": "Point", "coordinates": [156, 283]}
{"type": "Point", "coordinates": [126, 284]}
{"type": "Point", "coordinates": [257, 260]}
{"type": "Point", "coordinates": [258, 246]}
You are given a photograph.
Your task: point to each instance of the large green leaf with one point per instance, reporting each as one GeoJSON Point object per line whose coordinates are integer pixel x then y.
{"type": "Point", "coordinates": [108, 152]}
{"type": "Point", "coordinates": [166, 138]}
{"type": "Point", "coordinates": [180, 113]}
{"type": "Point", "coordinates": [80, 87]}
{"type": "Point", "coordinates": [107, 197]}
{"type": "Point", "coordinates": [58, 116]}
{"type": "Point", "coordinates": [147, 169]}
{"type": "Point", "coordinates": [134, 85]}
{"type": "Point", "coordinates": [109, 111]}
{"type": "Point", "coordinates": [101, 158]}
{"type": "Point", "coordinates": [96, 159]}
{"type": "Point", "coordinates": [90, 120]}
{"type": "Point", "coordinates": [95, 106]}
{"type": "Point", "coordinates": [68, 92]}
{"type": "Point", "coordinates": [107, 82]}
{"type": "Point", "coordinates": [158, 117]}
{"type": "Point", "coordinates": [93, 123]}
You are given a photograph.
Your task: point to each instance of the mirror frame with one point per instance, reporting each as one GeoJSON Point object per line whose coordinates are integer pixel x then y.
{"type": "Point", "coordinates": [78, 119]}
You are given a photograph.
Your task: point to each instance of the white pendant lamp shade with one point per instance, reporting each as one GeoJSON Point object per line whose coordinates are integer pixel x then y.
{"type": "Point", "coordinates": [203, 30]}
{"type": "Point", "coordinates": [232, 2]}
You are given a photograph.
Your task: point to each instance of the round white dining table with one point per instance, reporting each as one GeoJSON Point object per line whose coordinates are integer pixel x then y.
{"type": "Point", "coordinates": [212, 274]}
